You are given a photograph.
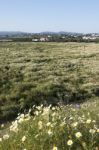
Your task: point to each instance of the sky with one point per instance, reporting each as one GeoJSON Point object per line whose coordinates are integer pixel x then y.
{"type": "Point", "coordinates": [49, 15]}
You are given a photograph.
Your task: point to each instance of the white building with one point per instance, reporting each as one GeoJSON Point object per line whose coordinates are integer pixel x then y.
{"type": "Point", "coordinates": [89, 38]}
{"type": "Point", "coordinates": [43, 39]}
{"type": "Point", "coordinates": [35, 40]}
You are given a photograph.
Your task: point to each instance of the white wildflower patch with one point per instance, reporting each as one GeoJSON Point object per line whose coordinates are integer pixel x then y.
{"type": "Point", "coordinates": [45, 111]}
{"type": "Point", "coordinates": [53, 108]}
{"type": "Point", "coordinates": [0, 139]}
{"type": "Point", "coordinates": [92, 131]}
{"type": "Point", "coordinates": [21, 120]}
{"type": "Point", "coordinates": [78, 134]}
{"type": "Point", "coordinates": [97, 130]}
{"type": "Point", "coordinates": [6, 137]}
{"type": "Point", "coordinates": [88, 121]}
{"type": "Point", "coordinates": [55, 148]}
{"type": "Point", "coordinates": [2, 125]}
{"type": "Point", "coordinates": [74, 124]}
{"type": "Point", "coordinates": [65, 124]}
{"type": "Point", "coordinates": [50, 132]}
{"type": "Point", "coordinates": [14, 126]}
{"type": "Point", "coordinates": [69, 142]}
{"type": "Point", "coordinates": [40, 125]}
{"type": "Point", "coordinates": [53, 114]}
{"type": "Point", "coordinates": [23, 139]}
{"type": "Point", "coordinates": [48, 124]}
{"type": "Point", "coordinates": [36, 113]}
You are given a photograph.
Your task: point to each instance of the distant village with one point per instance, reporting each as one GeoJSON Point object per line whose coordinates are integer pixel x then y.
{"type": "Point", "coordinates": [49, 37]}
{"type": "Point", "coordinates": [84, 37]}
{"type": "Point", "coordinates": [90, 37]}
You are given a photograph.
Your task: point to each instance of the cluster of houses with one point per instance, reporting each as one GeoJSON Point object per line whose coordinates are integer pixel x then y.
{"type": "Point", "coordinates": [52, 37]}
{"type": "Point", "coordinates": [90, 37]}
{"type": "Point", "coordinates": [42, 39]}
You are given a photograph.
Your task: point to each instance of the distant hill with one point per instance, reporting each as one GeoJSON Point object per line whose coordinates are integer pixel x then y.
{"type": "Point", "coordinates": [60, 32]}
{"type": "Point", "coordinates": [14, 33]}
{"type": "Point", "coordinates": [11, 32]}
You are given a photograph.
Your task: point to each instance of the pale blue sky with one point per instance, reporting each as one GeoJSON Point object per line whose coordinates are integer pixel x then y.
{"type": "Point", "coordinates": [49, 15]}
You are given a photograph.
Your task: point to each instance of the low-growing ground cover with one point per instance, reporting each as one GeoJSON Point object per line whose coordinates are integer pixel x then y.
{"type": "Point", "coordinates": [46, 73]}
{"type": "Point", "coordinates": [71, 127]}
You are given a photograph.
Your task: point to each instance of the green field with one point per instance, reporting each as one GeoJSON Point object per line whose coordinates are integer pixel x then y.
{"type": "Point", "coordinates": [46, 73]}
{"type": "Point", "coordinates": [35, 75]}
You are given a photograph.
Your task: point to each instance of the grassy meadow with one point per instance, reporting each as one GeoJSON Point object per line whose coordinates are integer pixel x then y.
{"type": "Point", "coordinates": [52, 89]}
{"type": "Point", "coordinates": [70, 127]}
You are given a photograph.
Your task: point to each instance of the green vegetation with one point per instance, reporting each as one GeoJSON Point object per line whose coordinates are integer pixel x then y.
{"type": "Point", "coordinates": [46, 73]}
{"type": "Point", "coordinates": [71, 127]}
{"type": "Point", "coordinates": [35, 75]}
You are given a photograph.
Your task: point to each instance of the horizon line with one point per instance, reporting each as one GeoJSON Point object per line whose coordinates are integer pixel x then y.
{"type": "Point", "coordinates": [48, 31]}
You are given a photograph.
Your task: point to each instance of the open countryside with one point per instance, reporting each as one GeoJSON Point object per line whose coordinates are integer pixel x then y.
{"type": "Point", "coordinates": [51, 90]}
